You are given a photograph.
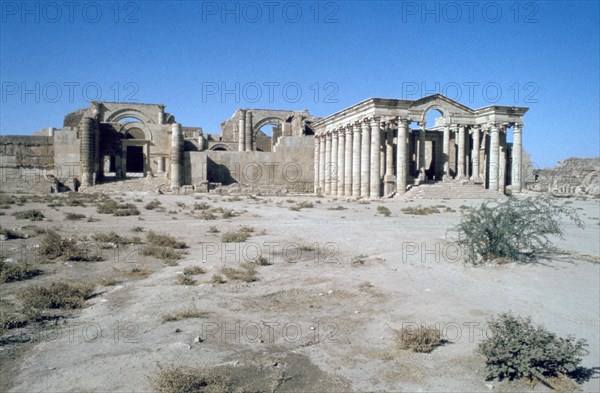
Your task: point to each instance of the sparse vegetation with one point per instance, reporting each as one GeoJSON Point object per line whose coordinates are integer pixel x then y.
{"type": "Point", "coordinates": [137, 229]}
{"type": "Point", "coordinates": [184, 313]}
{"type": "Point", "coordinates": [419, 339]}
{"type": "Point", "coordinates": [164, 240]}
{"type": "Point", "coordinates": [118, 209]}
{"type": "Point", "coordinates": [31, 215]}
{"type": "Point", "coordinates": [212, 229]}
{"type": "Point", "coordinates": [152, 205]}
{"type": "Point", "coordinates": [179, 380]}
{"type": "Point", "coordinates": [247, 273]}
{"type": "Point", "coordinates": [517, 229]}
{"type": "Point", "coordinates": [420, 210]}
{"type": "Point", "coordinates": [383, 210]}
{"type": "Point", "coordinates": [167, 254]}
{"type": "Point", "coordinates": [10, 272]}
{"type": "Point", "coordinates": [74, 216]}
{"type": "Point", "coordinates": [338, 207]}
{"type": "Point", "coordinates": [193, 270]}
{"type": "Point", "coordinates": [53, 246]}
{"type": "Point", "coordinates": [235, 237]}
{"type": "Point", "coordinates": [516, 348]}
{"type": "Point", "coordinates": [183, 279]}
{"type": "Point", "coordinates": [57, 296]}
{"type": "Point", "coordinates": [112, 237]}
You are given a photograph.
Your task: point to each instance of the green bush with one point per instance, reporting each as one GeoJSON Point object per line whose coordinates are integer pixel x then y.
{"type": "Point", "coordinates": [517, 229]}
{"type": "Point", "coordinates": [518, 349]}
{"type": "Point", "coordinates": [235, 237]}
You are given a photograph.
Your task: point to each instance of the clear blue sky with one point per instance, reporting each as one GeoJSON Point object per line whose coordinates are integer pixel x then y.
{"type": "Point", "coordinates": [320, 56]}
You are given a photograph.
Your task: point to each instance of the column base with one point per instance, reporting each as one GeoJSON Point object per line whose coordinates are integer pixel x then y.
{"type": "Point", "coordinates": [389, 184]}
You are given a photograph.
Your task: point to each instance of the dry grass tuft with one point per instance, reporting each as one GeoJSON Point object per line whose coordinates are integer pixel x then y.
{"type": "Point", "coordinates": [184, 313]}
{"type": "Point", "coordinates": [422, 339]}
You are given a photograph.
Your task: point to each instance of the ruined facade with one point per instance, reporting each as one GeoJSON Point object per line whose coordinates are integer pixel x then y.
{"type": "Point", "coordinates": [370, 149]}
{"type": "Point", "coordinates": [367, 150]}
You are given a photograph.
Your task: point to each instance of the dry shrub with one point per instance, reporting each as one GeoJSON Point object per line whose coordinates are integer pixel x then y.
{"type": "Point", "coordinates": [384, 211]}
{"type": "Point", "coordinates": [118, 209]}
{"type": "Point", "coordinates": [10, 272]}
{"type": "Point", "coordinates": [420, 339]}
{"type": "Point", "coordinates": [164, 240]}
{"type": "Point", "coordinates": [420, 210]}
{"type": "Point", "coordinates": [180, 380]}
{"type": "Point", "coordinates": [165, 253]}
{"type": "Point", "coordinates": [246, 273]}
{"type": "Point", "coordinates": [193, 270]}
{"type": "Point", "coordinates": [235, 237]}
{"type": "Point", "coordinates": [31, 215]}
{"type": "Point", "coordinates": [184, 313]}
{"type": "Point", "coordinates": [57, 296]}
{"type": "Point", "coordinates": [53, 246]}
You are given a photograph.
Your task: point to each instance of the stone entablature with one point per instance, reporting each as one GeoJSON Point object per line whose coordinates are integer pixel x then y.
{"type": "Point", "coordinates": [354, 148]}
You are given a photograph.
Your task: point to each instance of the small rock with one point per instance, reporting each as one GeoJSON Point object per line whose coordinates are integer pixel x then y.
{"type": "Point", "coordinates": [330, 292]}
{"type": "Point", "coordinates": [198, 339]}
{"type": "Point", "coordinates": [320, 294]}
{"type": "Point", "coordinates": [489, 386]}
{"type": "Point", "coordinates": [312, 328]}
{"type": "Point", "coordinates": [177, 330]}
{"type": "Point", "coordinates": [356, 312]}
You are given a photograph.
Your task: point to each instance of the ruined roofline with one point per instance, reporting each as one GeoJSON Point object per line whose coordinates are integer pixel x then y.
{"type": "Point", "coordinates": [373, 102]}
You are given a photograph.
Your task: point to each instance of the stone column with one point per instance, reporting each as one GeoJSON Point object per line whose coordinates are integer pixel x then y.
{"type": "Point", "coordinates": [402, 157]}
{"type": "Point", "coordinates": [322, 163]}
{"type": "Point", "coordinates": [316, 165]}
{"type": "Point", "coordinates": [348, 162]}
{"type": "Point", "coordinates": [356, 143]}
{"type": "Point", "coordinates": [249, 143]}
{"type": "Point", "coordinates": [460, 170]}
{"type": "Point", "coordinates": [422, 176]}
{"type": "Point", "coordinates": [494, 158]}
{"type": "Point", "coordinates": [517, 157]}
{"type": "Point", "coordinates": [475, 155]}
{"type": "Point", "coordinates": [502, 155]}
{"type": "Point", "coordinates": [333, 172]}
{"type": "Point", "coordinates": [176, 155]}
{"type": "Point", "coordinates": [87, 144]}
{"type": "Point", "coordinates": [341, 159]}
{"type": "Point", "coordinates": [328, 163]}
{"type": "Point", "coordinates": [446, 153]}
{"type": "Point", "coordinates": [365, 159]}
{"type": "Point", "coordinates": [389, 179]}
{"type": "Point", "coordinates": [375, 175]}
{"type": "Point", "coordinates": [242, 131]}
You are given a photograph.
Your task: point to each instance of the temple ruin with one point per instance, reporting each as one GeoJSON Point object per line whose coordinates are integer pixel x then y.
{"type": "Point", "coordinates": [378, 147]}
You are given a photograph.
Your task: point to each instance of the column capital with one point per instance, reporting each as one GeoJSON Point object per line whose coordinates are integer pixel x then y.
{"type": "Point", "coordinates": [375, 120]}
{"type": "Point", "coordinates": [328, 135]}
{"type": "Point", "coordinates": [403, 121]}
{"type": "Point", "coordinates": [518, 127]}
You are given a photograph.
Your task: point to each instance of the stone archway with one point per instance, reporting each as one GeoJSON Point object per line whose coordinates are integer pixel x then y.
{"type": "Point", "coordinates": [136, 139]}
{"type": "Point", "coordinates": [262, 140]}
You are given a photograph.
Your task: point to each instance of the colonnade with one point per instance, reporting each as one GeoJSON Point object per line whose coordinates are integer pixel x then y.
{"type": "Point", "coordinates": [357, 159]}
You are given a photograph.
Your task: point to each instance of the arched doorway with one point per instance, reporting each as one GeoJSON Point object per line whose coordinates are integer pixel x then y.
{"type": "Point", "coordinates": [434, 120]}
{"type": "Point", "coordinates": [135, 147]}
{"type": "Point", "coordinates": [266, 133]}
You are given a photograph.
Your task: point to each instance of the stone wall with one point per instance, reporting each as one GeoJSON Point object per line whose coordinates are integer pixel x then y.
{"type": "Point", "coordinates": [25, 163]}
{"type": "Point", "coordinates": [289, 169]}
{"type": "Point", "coordinates": [571, 177]}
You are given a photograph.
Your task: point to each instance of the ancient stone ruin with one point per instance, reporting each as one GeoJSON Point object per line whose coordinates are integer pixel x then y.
{"type": "Point", "coordinates": [378, 147]}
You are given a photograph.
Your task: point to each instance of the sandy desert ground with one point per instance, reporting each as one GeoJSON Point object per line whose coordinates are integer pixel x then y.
{"type": "Point", "coordinates": [321, 317]}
